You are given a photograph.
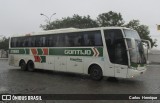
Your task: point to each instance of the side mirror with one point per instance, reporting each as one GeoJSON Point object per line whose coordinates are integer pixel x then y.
{"type": "Point", "coordinates": [131, 43]}
{"type": "Point", "coordinates": [148, 44]}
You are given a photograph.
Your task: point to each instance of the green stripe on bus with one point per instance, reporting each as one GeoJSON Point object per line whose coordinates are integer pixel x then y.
{"type": "Point", "coordinates": [63, 51]}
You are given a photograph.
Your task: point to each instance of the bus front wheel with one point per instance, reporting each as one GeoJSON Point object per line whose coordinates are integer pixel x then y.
{"type": "Point", "coordinates": [96, 73]}
{"type": "Point", "coordinates": [30, 66]}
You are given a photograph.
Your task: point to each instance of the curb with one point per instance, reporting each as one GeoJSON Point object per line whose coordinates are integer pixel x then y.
{"type": "Point", "coordinates": [155, 63]}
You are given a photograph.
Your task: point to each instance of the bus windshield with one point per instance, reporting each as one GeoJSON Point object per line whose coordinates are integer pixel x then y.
{"type": "Point", "coordinates": [137, 54]}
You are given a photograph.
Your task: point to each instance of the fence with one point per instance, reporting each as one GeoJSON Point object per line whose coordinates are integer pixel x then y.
{"type": "Point", "coordinates": [3, 54]}
{"type": "Point", "coordinates": [3, 59]}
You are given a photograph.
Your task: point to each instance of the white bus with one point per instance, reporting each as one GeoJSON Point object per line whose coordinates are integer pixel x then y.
{"type": "Point", "coordinates": [103, 51]}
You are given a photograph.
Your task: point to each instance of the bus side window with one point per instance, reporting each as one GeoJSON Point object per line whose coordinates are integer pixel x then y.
{"type": "Point", "coordinates": [54, 40]}
{"type": "Point", "coordinates": [91, 40]}
{"type": "Point", "coordinates": [13, 43]}
{"type": "Point", "coordinates": [29, 41]}
{"type": "Point", "coordinates": [49, 41]}
{"type": "Point", "coordinates": [69, 40]}
{"type": "Point", "coordinates": [37, 41]}
{"type": "Point", "coordinates": [42, 41]}
{"type": "Point", "coordinates": [60, 40]}
{"type": "Point", "coordinates": [98, 39]}
{"type": "Point", "coordinates": [78, 40]}
{"type": "Point", "coordinates": [25, 42]}
{"type": "Point", "coordinates": [17, 43]}
{"type": "Point", "coordinates": [32, 42]}
{"type": "Point", "coordinates": [20, 42]}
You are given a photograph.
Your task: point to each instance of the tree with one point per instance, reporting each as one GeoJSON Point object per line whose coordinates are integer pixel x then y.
{"type": "Point", "coordinates": [142, 30]}
{"type": "Point", "coordinates": [4, 45]}
{"type": "Point", "coordinates": [105, 19]}
{"type": "Point", "coordinates": [76, 21]}
{"type": "Point", "coordinates": [110, 19]}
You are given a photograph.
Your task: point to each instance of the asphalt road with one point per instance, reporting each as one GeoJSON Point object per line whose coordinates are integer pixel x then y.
{"type": "Point", "coordinates": [13, 80]}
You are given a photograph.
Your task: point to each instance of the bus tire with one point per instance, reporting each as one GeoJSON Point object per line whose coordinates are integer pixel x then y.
{"type": "Point", "coordinates": [30, 66]}
{"type": "Point", "coordinates": [23, 65]}
{"type": "Point", "coordinates": [96, 72]}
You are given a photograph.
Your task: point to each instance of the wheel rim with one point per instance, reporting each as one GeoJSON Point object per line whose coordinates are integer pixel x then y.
{"type": "Point", "coordinates": [96, 74]}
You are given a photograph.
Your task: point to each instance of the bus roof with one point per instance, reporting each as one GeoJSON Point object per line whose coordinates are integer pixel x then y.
{"type": "Point", "coordinates": [67, 30]}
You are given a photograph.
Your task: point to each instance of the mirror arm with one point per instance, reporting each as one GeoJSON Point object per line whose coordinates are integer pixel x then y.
{"type": "Point", "coordinates": [149, 43]}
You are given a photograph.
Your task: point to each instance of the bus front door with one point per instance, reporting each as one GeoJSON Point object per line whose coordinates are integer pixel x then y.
{"type": "Point", "coordinates": [117, 51]}
{"type": "Point", "coordinates": [120, 59]}
{"type": "Point", "coordinates": [120, 70]}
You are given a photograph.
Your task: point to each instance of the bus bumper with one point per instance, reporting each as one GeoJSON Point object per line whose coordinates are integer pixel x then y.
{"type": "Point", "coordinates": [136, 72]}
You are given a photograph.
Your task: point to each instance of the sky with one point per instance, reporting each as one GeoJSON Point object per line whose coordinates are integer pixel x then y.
{"type": "Point", "coordinates": [23, 16]}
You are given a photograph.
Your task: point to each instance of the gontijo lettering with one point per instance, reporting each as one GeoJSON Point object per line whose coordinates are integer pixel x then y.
{"type": "Point", "coordinates": [78, 52]}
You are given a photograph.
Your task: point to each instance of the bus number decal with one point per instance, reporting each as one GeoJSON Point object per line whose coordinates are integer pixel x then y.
{"type": "Point", "coordinates": [19, 51]}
